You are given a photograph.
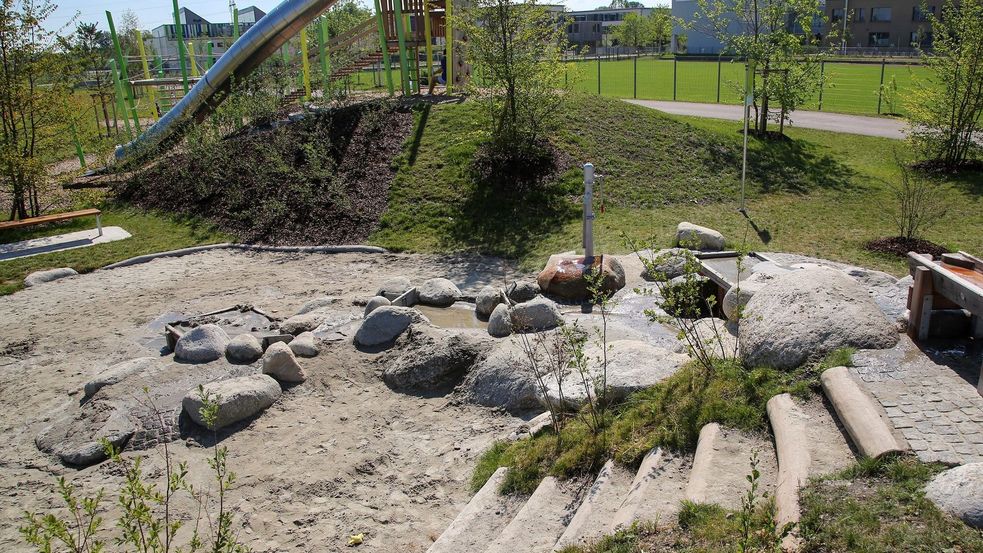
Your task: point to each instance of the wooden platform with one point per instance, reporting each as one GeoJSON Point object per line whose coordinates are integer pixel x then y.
{"type": "Point", "coordinates": [953, 282]}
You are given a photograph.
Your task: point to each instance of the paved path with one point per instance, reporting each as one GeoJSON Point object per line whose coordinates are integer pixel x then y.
{"type": "Point", "coordinates": [825, 121]}
{"type": "Point", "coordinates": [930, 396]}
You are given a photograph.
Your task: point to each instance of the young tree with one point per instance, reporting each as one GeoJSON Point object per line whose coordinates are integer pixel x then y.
{"type": "Point", "coordinates": [517, 48]}
{"type": "Point", "coordinates": [90, 49]}
{"type": "Point", "coordinates": [633, 32]}
{"type": "Point", "coordinates": [771, 36]}
{"type": "Point", "coordinates": [660, 27]}
{"type": "Point", "coordinates": [944, 111]}
{"type": "Point", "coordinates": [34, 88]}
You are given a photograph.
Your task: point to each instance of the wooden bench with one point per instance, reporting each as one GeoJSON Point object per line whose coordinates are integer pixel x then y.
{"type": "Point", "coordinates": [55, 218]}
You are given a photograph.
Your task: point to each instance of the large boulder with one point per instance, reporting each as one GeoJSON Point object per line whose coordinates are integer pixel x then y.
{"type": "Point", "coordinates": [394, 287]}
{"type": "Point", "coordinates": [500, 322]}
{"type": "Point", "coordinates": [306, 322]}
{"type": "Point", "coordinates": [666, 264]}
{"type": "Point", "coordinates": [118, 372]}
{"type": "Point", "coordinates": [486, 301]}
{"type": "Point", "coordinates": [717, 336]}
{"type": "Point", "coordinates": [806, 314]}
{"type": "Point", "coordinates": [536, 315]}
{"type": "Point", "coordinates": [695, 237]}
{"type": "Point", "coordinates": [237, 399]}
{"type": "Point", "coordinates": [522, 290]}
{"type": "Point", "coordinates": [317, 303]}
{"type": "Point", "coordinates": [428, 358]}
{"type": "Point", "coordinates": [304, 345]}
{"type": "Point", "coordinates": [202, 344]}
{"type": "Point", "coordinates": [564, 275]}
{"type": "Point", "coordinates": [375, 303]}
{"type": "Point", "coordinates": [737, 296]}
{"type": "Point", "coordinates": [438, 292]}
{"type": "Point", "coordinates": [959, 492]}
{"type": "Point", "coordinates": [244, 348]}
{"type": "Point", "coordinates": [503, 379]}
{"type": "Point", "coordinates": [40, 277]}
{"type": "Point", "coordinates": [63, 440]}
{"type": "Point", "coordinates": [632, 365]}
{"type": "Point", "coordinates": [385, 324]}
{"type": "Point", "coordinates": [280, 363]}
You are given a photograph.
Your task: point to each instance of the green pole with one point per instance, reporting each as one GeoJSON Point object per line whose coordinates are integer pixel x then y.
{"type": "Point", "coordinates": [75, 138]}
{"type": "Point", "coordinates": [123, 77]}
{"type": "Point", "coordinates": [305, 65]}
{"type": "Point", "coordinates": [179, 36]}
{"type": "Point", "coordinates": [235, 23]}
{"type": "Point", "coordinates": [119, 97]}
{"type": "Point", "coordinates": [449, 40]}
{"type": "Point", "coordinates": [325, 54]}
{"type": "Point", "coordinates": [384, 47]}
{"type": "Point", "coordinates": [209, 60]}
{"type": "Point", "coordinates": [404, 62]}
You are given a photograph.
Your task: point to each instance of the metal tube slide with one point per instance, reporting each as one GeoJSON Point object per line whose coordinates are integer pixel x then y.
{"type": "Point", "coordinates": [245, 55]}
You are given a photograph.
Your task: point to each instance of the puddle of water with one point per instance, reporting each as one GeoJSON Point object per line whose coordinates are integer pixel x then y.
{"type": "Point", "coordinates": [452, 317]}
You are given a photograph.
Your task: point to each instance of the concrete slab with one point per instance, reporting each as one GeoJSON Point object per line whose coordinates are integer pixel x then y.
{"type": "Point", "coordinates": [61, 242]}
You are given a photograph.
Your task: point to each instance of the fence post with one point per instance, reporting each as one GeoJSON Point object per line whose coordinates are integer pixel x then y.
{"type": "Point", "coordinates": [599, 74]}
{"type": "Point", "coordinates": [718, 79]}
{"type": "Point", "coordinates": [822, 73]}
{"type": "Point", "coordinates": [634, 71]}
{"type": "Point", "coordinates": [674, 62]}
{"type": "Point", "coordinates": [880, 88]}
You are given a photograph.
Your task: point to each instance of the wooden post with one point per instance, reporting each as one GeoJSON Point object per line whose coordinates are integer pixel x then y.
{"type": "Point", "coordinates": [920, 304]}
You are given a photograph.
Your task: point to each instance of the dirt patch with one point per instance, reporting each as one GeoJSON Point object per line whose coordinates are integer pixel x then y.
{"type": "Point", "coordinates": [899, 247]}
{"type": "Point", "coordinates": [340, 454]}
{"type": "Point", "coordinates": [322, 180]}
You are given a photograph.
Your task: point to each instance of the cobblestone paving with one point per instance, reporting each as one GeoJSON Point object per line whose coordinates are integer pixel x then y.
{"type": "Point", "coordinates": [930, 396]}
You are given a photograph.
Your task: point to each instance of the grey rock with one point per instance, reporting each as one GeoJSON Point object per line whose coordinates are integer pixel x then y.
{"type": "Point", "coordinates": [237, 399]}
{"type": "Point", "coordinates": [40, 277]}
{"type": "Point", "coordinates": [305, 322]}
{"type": "Point", "coordinates": [394, 287]}
{"type": "Point", "coordinates": [717, 336]}
{"type": "Point", "coordinates": [695, 237]}
{"type": "Point", "coordinates": [536, 315]}
{"type": "Point", "coordinates": [522, 290]}
{"type": "Point", "coordinates": [202, 344]}
{"type": "Point", "coordinates": [738, 295]}
{"type": "Point", "coordinates": [83, 449]}
{"type": "Point", "coordinates": [429, 358]}
{"type": "Point", "coordinates": [959, 492]}
{"type": "Point", "coordinates": [304, 345]}
{"type": "Point", "coordinates": [375, 303]}
{"type": "Point", "coordinates": [244, 348]}
{"type": "Point", "coordinates": [502, 379]}
{"type": "Point", "coordinates": [385, 324]}
{"type": "Point", "coordinates": [666, 264]}
{"type": "Point", "coordinates": [317, 303]}
{"type": "Point", "coordinates": [117, 373]}
{"type": "Point", "coordinates": [500, 322]}
{"type": "Point", "coordinates": [809, 313]}
{"type": "Point", "coordinates": [438, 292]}
{"type": "Point", "coordinates": [632, 365]}
{"type": "Point", "coordinates": [487, 299]}
{"type": "Point", "coordinates": [280, 363]}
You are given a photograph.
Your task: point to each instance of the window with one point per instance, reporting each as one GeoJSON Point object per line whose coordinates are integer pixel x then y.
{"type": "Point", "coordinates": [918, 15]}
{"type": "Point", "coordinates": [879, 39]}
{"type": "Point", "coordinates": [882, 15]}
{"type": "Point", "coordinates": [858, 14]}
{"type": "Point", "coordinates": [836, 15]}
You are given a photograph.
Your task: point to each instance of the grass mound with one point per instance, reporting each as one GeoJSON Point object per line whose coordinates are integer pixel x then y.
{"type": "Point", "coordinates": [322, 180]}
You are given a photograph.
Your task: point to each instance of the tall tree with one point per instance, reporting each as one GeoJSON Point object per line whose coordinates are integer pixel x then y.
{"type": "Point", "coordinates": [90, 49]}
{"type": "Point", "coordinates": [771, 36]}
{"type": "Point", "coordinates": [945, 110]}
{"type": "Point", "coordinates": [660, 27]}
{"type": "Point", "coordinates": [34, 89]}
{"type": "Point", "coordinates": [633, 32]}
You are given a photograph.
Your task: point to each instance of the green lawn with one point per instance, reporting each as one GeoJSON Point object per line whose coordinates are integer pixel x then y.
{"type": "Point", "coordinates": [819, 193]}
{"type": "Point", "coordinates": [850, 88]}
{"type": "Point", "coordinates": [151, 233]}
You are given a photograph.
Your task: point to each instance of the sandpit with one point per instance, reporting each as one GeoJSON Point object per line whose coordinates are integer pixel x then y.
{"type": "Point", "coordinates": [340, 454]}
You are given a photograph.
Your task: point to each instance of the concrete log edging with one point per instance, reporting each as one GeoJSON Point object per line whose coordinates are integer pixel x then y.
{"type": "Point", "coordinates": [700, 474]}
{"type": "Point", "coordinates": [480, 505]}
{"type": "Point", "coordinates": [602, 486]}
{"type": "Point", "coordinates": [794, 460]}
{"type": "Point", "coordinates": [628, 511]}
{"type": "Point", "coordinates": [244, 247]}
{"type": "Point", "coordinates": [859, 414]}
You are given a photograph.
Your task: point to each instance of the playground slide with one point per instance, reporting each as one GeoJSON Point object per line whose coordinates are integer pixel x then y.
{"type": "Point", "coordinates": [258, 43]}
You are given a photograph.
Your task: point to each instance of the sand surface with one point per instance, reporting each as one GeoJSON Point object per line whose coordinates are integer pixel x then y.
{"type": "Point", "coordinates": [338, 455]}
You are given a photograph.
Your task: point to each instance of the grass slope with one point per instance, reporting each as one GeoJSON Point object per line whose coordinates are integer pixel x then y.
{"type": "Point", "coordinates": [817, 193]}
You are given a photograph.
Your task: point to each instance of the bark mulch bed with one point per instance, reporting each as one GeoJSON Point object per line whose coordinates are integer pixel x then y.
{"type": "Point", "coordinates": [322, 180]}
{"type": "Point", "coordinates": [899, 246]}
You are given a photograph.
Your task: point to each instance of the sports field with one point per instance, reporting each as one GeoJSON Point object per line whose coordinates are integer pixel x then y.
{"type": "Point", "coordinates": [850, 87]}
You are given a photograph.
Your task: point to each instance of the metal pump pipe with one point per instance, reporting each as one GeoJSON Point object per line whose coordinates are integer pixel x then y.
{"type": "Point", "coordinates": [588, 210]}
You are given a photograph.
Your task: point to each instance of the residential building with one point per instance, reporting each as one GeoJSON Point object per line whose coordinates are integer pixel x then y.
{"type": "Point", "coordinates": [592, 28]}
{"type": "Point", "coordinates": [895, 24]}
{"type": "Point", "coordinates": [198, 30]}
